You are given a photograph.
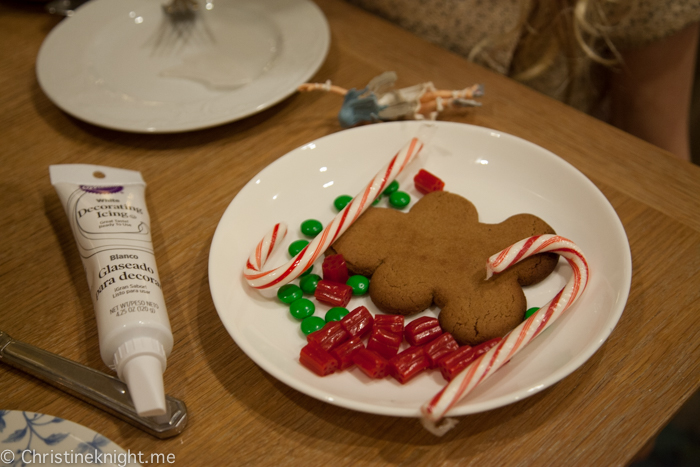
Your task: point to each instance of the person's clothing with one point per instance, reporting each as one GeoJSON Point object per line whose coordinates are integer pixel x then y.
{"type": "Point", "coordinates": [460, 25]}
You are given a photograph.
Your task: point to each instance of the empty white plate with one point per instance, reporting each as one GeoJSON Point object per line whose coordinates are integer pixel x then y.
{"type": "Point", "coordinates": [126, 65]}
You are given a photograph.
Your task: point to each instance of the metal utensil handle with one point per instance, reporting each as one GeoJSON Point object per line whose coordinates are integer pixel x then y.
{"type": "Point", "coordinates": [101, 390]}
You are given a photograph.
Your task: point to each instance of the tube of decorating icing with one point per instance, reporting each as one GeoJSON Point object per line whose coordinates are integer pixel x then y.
{"type": "Point", "coordinates": [107, 212]}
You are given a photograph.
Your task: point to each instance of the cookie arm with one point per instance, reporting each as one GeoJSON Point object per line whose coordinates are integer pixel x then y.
{"type": "Point", "coordinates": [435, 409]}
{"type": "Point", "coordinates": [259, 279]}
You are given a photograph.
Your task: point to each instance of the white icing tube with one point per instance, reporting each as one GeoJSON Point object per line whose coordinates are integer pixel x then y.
{"type": "Point", "coordinates": [107, 212]}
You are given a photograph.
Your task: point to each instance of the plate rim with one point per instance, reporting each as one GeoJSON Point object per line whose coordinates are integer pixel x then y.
{"type": "Point", "coordinates": [546, 382]}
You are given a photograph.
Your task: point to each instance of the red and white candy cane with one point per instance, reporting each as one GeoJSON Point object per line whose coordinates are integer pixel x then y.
{"type": "Point", "coordinates": [434, 410]}
{"type": "Point", "coordinates": [259, 279]}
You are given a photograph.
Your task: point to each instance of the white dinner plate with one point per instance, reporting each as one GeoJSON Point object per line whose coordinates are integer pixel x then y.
{"type": "Point", "coordinates": [28, 438]}
{"type": "Point", "coordinates": [502, 175]}
{"type": "Point", "coordinates": [123, 64]}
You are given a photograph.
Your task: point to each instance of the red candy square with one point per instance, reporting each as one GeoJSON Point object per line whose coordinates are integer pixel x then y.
{"type": "Point", "coordinates": [438, 348]}
{"type": "Point", "coordinates": [422, 330]}
{"type": "Point", "coordinates": [334, 269]}
{"type": "Point", "coordinates": [383, 342]}
{"type": "Point", "coordinates": [392, 323]}
{"type": "Point", "coordinates": [408, 364]}
{"type": "Point", "coordinates": [426, 182]}
{"type": "Point", "coordinates": [332, 293]}
{"type": "Point", "coordinates": [371, 363]}
{"type": "Point", "coordinates": [317, 360]}
{"type": "Point", "coordinates": [358, 322]}
{"type": "Point", "coordinates": [329, 337]}
{"type": "Point", "coordinates": [346, 351]}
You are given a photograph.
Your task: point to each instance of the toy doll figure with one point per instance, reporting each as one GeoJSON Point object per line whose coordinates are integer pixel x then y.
{"type": "Point", "coordinates": [380, 101]}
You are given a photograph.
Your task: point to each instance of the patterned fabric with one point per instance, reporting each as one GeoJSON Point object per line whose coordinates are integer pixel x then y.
{"type": "Point", "coordinates": [651, 20]}
{"type": "Point", "coordinates": [462, 25]}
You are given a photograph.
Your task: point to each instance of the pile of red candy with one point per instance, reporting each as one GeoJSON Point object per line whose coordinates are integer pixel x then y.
{"type": "Point", "coordinates": [338, 346]}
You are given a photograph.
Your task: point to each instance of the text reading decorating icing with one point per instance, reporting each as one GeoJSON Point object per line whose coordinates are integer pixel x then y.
{"type": "Point", "coordinates": [110, 210]}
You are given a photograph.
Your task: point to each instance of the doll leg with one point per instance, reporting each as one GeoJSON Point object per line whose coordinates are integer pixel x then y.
{"type": "Point", "coordinates": [432, 108]}
{"type": "Point", "coordinates": [327, 86]}
{"type": "Point", "coordinates": [476, 90]}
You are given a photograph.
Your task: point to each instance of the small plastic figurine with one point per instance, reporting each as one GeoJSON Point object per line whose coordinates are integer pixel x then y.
{"type": "Point", "coordinates": [379, 101]}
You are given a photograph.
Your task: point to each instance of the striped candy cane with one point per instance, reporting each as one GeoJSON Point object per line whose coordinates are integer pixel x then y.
{"type": "Point", "coordinates": [484, 366]}
{"type": "Point", "coordinates": [259, 279]}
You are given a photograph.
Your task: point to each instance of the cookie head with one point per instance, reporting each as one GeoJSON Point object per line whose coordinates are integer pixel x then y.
{"type": "Point", "coordinates": [436, 254]}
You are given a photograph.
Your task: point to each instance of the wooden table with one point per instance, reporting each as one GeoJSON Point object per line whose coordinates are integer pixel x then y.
{"type": "Point", "coordinates": [602, 414]}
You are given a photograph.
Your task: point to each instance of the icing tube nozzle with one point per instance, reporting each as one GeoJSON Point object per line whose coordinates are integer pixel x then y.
{"type": "Point", "coordinates": [140, 363]}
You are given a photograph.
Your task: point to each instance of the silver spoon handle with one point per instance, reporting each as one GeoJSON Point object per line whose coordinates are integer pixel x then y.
{"type": "Point", "coordinates": [101, 390]}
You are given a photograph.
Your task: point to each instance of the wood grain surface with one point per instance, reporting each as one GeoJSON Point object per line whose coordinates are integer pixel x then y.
{"type": "Point", "coordinates": [602, 414]}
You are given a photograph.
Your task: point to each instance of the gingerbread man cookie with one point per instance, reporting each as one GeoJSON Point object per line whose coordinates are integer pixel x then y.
{"type": "Point", "coordinates": [436, 254]}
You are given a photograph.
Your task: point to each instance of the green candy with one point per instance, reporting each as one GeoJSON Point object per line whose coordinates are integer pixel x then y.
{"type": "Point", "coordinates": [359, 284]}
{"type": "Point", "coordinates": [307, 272]}
{"type": "Point", "coordinates": [312, 324]}
{"type": "Point", "coordinates": [336, 313]}
{"type": "Point", "coordinates": [289, 293]}
{"type": "Point", "coordinates": [376, 201]}
{"type": "Point", "coordinates": [297, 246]}
{"type": "Point", "coordinates": [399, 199]}
{"type": "Point", "coordinates": [342, 201]}
{"type": "Point", "coordinates": [311, 227]}
{"type": "Point", "coordinates": [309, 283]}
{"type": "Point", "coordinates": [393, 186]}
{"type": "Point", "coordinates": [530, 312]}
{"type": "Point", "coordinates": [302, 308]}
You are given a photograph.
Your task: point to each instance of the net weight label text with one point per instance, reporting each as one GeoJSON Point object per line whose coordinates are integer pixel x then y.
{"type": "Point", "coordinates": [134, 306]}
